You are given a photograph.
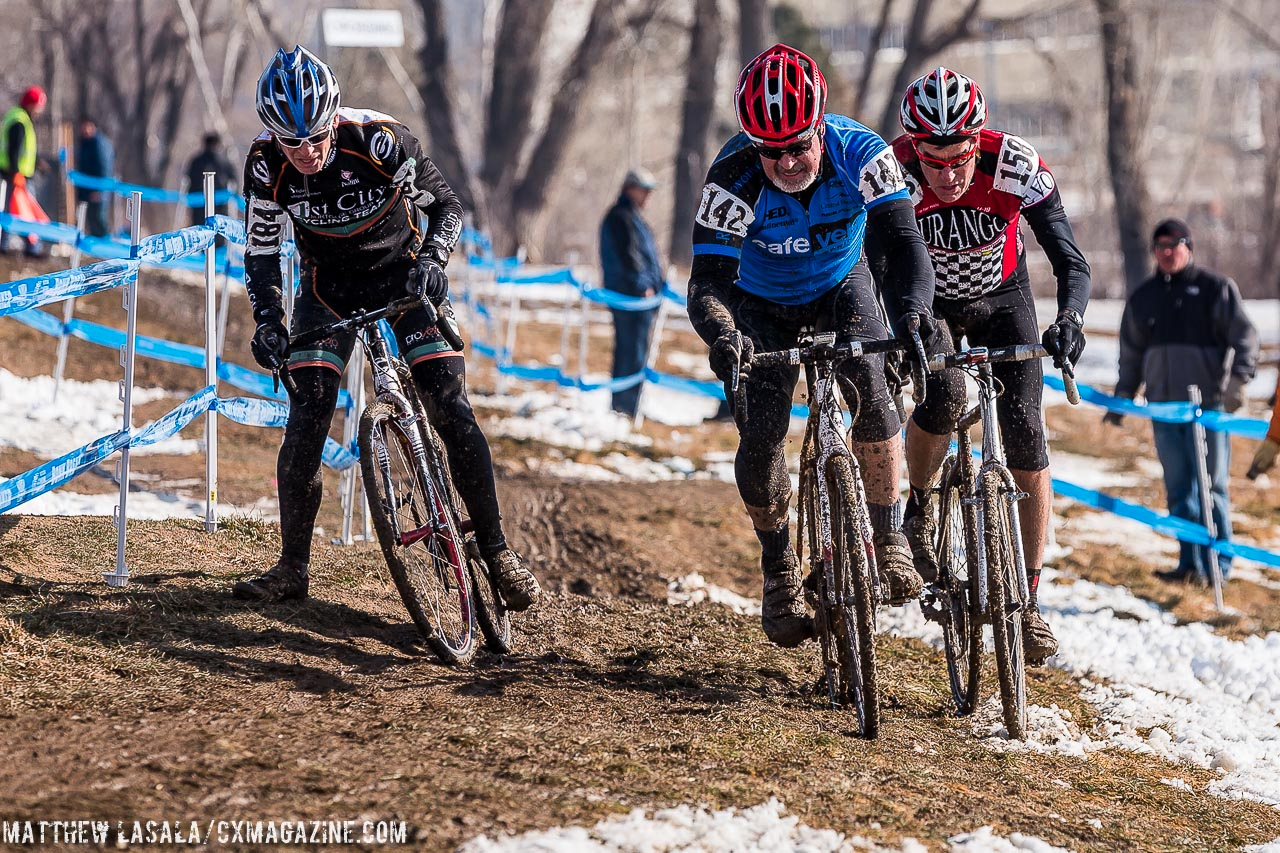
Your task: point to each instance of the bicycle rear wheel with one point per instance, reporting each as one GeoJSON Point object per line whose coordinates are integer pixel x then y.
{"type": "Point", "coordinates": [491, 613]}
{"type": "Point", "coordinates": [419, 533]}
{"type": "Point", "coordinates": [957, 595]}
{"type": "Point", "coordinates": [1004, 598]}
{"type": "Point", "coordinates": [853, 565]}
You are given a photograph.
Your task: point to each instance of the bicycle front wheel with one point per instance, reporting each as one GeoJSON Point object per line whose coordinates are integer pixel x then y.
{"type": "Point", "coordinates": [491, 613]}
{"type": "Point", "coordinates": [853, 567]}
{"type": "Point", "coordinates": [957, 593]}
{"type": "Point", "coordinates": [1004, 597]}
{"type": "Point", "coordinates": [418, 531]}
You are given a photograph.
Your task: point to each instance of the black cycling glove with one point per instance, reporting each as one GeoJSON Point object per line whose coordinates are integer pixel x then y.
{"type": "Point", "coordinates": [270, 344]}
{"type": "Point", "coordinates": [928, 327]}
{"type": "Point", "coordinates": [427, 280]}
{"type": "Point", "coordinates": [732, 349]}
{"type": "Point", "coordinates": [1065, 338]}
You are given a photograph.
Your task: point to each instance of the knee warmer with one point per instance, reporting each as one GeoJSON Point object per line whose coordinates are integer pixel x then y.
{"type": "Point", "coordinates": [944, 402]}
{"type": "Point", "coordinates": [866, 394]}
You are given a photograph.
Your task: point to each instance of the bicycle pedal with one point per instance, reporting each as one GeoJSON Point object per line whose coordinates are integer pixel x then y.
{"type": "Point", "coordinates": [931, 605]}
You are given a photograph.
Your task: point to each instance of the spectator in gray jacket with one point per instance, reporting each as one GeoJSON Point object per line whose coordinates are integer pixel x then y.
{"type": "Point", "coordinates": [1186, 326]}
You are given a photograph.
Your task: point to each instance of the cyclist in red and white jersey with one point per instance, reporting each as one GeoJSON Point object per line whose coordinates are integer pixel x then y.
{"type": "Point", "coordinates": [356, 186]}
{"type": "Point", "coordinates": [972, 187]}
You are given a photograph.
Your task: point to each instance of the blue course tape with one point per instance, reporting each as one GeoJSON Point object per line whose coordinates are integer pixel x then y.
{"type": "Point", "coordinates": [55, 472]}
{"type": "Point", "coordinates": [622, 302]}
{"type": "Point", "coordinates": [1172, 413]}
{"type": "Point", "coordinates": [111, 185]}
{"type": "Point", "coordinates": [564, 276]}
{"type": "Point", "coordinates": [41, 321]}
{"type": "Point", "coordinates": [171, 423]}
{"type": "Point", "coordinates": [50, 232]}
{"type": "Point", "coordinates": [1178, 528]}
{"type": "Point", "coordinates": [43, 289]}
{"type": "Point", "coordinates": [269, 413]}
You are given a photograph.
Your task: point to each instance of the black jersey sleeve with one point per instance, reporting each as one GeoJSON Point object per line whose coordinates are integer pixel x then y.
{"type": "Point", "coordinates": [423, 184]}
{"type": "Point", "coordinates": [899, 259]}
{"type": "Point", "coordinates": [710, 279]}
{"type": "Point", "coordinates": [264, 221]}
{"type": "Point", "coordinates": [1048, 221]}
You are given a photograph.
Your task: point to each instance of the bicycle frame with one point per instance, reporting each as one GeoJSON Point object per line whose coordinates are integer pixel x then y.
{"type": "Point", "coordinates": [390, 374]}
{"type": "Point", "coordinates": [976, 362]}
{"type": "Point", "coordinates": [993, 464]}
{"type": "Point", "coordinates": [825, 434]}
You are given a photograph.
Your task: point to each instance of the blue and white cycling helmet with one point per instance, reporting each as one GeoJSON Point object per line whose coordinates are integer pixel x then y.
{"type": "Point", "coordinates": [297, 94]}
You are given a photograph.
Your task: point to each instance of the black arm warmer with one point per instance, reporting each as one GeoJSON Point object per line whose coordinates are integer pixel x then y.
{"type": "Point", "coordinates": [1048, 221]}
{"type": "Point", "coordinates": [709, 281]}
{"type": "Point", "coordinates": [899, 259]}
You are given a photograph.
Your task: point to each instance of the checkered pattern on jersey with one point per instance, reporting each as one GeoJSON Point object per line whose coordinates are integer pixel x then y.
{"type": "Point", "coordinates": [968, 275]}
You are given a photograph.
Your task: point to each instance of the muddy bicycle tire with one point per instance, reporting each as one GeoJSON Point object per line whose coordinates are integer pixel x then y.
{"type": "Point", "coordinates": [491, 613]}
{"type": "Point", "coordinates": [407, 495]}
{"type": "Point", "coordinates": [1004, 604]}
{"type": "Point", "coordinates": [853, 564]}
{"type": "Point", "coordinates": [957, 553]}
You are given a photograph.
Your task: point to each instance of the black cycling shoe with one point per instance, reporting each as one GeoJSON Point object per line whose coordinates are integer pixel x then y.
{"type": "Point", "coordinates": [1038, 642]}
{"type": "Point", "coordinates": [516, 584]}
{"type": "Point", "coordinates": [898, 576]}
{"type": "Point", "coordinates": [921, 531]}
{"type": "Point", "coordinates": [785, 619]}
{"type": "Point", "coordinates": [284, 581]}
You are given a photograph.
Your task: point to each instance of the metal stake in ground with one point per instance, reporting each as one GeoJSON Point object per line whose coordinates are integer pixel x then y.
{"type": "Point", "coordinates": [1206, 495]}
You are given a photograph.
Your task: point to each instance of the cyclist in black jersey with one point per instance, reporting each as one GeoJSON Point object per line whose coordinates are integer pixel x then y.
{"type": "Point", "coordinates": [356, 186]}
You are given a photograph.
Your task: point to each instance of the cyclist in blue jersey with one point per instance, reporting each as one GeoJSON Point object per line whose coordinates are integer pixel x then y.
{"type": "Point", "coordinates": [778, 245]}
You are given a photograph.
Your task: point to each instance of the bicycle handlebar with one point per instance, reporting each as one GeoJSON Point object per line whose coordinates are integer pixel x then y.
{"type": "Point", "coordinates": [1017, 352]}
{"type": "Point", "coordinates": [820, 351]}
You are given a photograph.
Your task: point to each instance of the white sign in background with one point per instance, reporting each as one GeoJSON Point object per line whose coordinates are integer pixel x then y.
{"type": "Point", "coordinates": [362, 28]}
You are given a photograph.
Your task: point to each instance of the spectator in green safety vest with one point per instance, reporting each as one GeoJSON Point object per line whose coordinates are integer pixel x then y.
{"type": "Point", "coordinates": [18, 147]}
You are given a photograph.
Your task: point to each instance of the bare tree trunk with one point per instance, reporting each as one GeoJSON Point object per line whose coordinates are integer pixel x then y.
{"type": "Point", "coordinates": [699, 108]}
{"type": "Point", "coordinates": [919, 46]}
{"type": "Point", "coordinates": [1269, 218]}
{"type": "Point", "coordinates": [516, 66]}
{"type": "Point", "coordinates": [869, 59]}
{"type": "Point", "coordinates": [1128, 181]}
{"type": "Point", "coordinates": [753, 24]}
{"type": "Point", "coordinates": [604, 31]}
{"type": "Point", "coordinates": [437, 90]}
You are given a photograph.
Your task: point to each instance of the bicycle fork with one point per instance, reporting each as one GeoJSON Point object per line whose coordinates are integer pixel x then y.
{"type": "Point", "coordinates": [993, 452]}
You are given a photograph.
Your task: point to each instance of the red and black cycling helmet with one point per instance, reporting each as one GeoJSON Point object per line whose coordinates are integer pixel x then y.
{"type": "Point", "coordinates": [780, 96]}
{"type": "Point", "coordinates": [943, 105]}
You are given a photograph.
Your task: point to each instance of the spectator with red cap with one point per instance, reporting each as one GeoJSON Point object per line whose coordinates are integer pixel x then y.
{"type": "Point", "coordinates": [18, 146]}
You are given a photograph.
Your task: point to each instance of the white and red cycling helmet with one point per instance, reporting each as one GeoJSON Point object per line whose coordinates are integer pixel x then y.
{"type": "Point", "coordinates": [943, 105]}
{"type": "Point", "coordinates": [780, 96]}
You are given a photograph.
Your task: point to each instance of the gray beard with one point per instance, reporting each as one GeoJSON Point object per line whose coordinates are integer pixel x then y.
{"type": "Point", "coordinates": [797, 184]}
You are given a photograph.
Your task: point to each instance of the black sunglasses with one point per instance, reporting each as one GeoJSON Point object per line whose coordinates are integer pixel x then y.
{"type": "Point", "coordinates": [795, 149]}
{"type": "Point", "coordinates": [299, 141]}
